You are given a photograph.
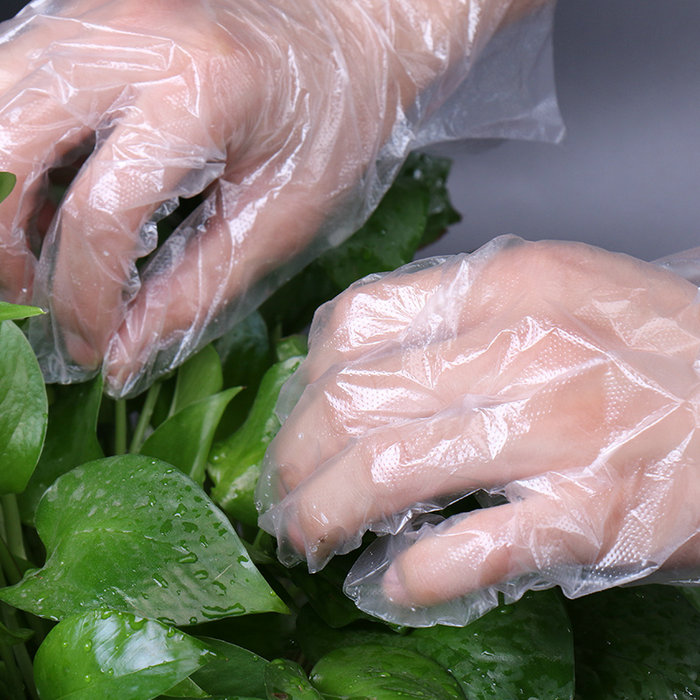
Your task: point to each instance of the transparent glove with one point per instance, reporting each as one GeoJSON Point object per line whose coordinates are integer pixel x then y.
{"type": "Point", "coordinates": [560, 378]}
{"type": "Point", "coordinates": [291, 117]}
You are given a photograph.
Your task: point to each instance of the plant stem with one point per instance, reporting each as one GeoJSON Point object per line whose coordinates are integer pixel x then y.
{"type": "Point", "coordinates": [15, 657]}
{"type": "Point", "coordinates": [8, 563]}
{"type": "Point", "coordinates": [11, 617]}
{"type": "Point", "coordinates": [25, 665]}
{"type": "Point", "coordinates": [8, 659]}
{"type": "Point", "coordinates": [145, 417]}
{"type": "Point", "coordinates": [13, 525]}
{"type": "Point", "coordinates": [120, 427]}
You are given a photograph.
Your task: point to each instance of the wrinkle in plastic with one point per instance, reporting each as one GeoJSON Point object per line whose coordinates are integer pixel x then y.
{"type": "Point", "coordinates": [291, 119]}
{"type": "Point", "coordinates": [560, 378]}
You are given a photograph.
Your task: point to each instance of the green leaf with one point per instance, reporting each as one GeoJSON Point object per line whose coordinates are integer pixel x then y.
{"type": "Point", "coordinates": [23, 409]}
{"type": "Point", "coordinates": [15, 312]}
{"type": "Point", "coordinates": [186, 689]}
{"type": "Point", "coordinates": [383, 673]}
{"type": "Point", "coordinates": [245, 356]}
{"type": "Point", "coordinates": [235, 464]}
{"type": "Point", "coordinates": [317, 638]}
{"type": "Point", "coordinates": [291, 346]}
{"type": "Point", "coordinates": [431, 172]}
{"type": "Point", "coordinates": [10, 637]}
{"type": "Point", "coordinates": [292, 306]}
{"type": "Point", "coordinates": [184, 440]}
{"type": "Point", "coordinates": [388, 240]}
{"type": "Point", "coordinates": [234, 671]}
{"type": "Point", "coordinates": [134, 534]}
{"type": "Point", "coordinates": [269, 635]}
{"type": "Point", "coordinates": [71, 440]}
{"type": "Point", "coordinates": [637, 643]}
{"type": "Point", "coordinates": [494, 656]}
{"type": "Point", "coordinates": [198, 378]}
{"type": "Point", "coordinates": [692, 593]}
{"type": "Point", "coordinates": [7, 184]}
{"type": "Point", "coordinates": [324, 591]}
{"type": "Point", "coordinates": [245, 352]}
{"type": "Point", "coordinates": [113, 655]}
{"type": "Point", "coordinates": [286, 680]}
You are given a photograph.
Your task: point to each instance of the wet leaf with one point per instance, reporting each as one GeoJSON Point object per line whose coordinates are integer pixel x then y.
{"type": "Point", "coordinates": [134, 534]}
{"type": "Point", "coordinates": [286, 680]}
{"type": "Point", "coordinates": [235, 464]}
{"type": "Point", "coordinates": [113, 655]}
{"type": "Point", "coordinates": [71, 440]}
{"type": "Point", "coordinates": [184, 440]}
{"type": "Point", "coordinates": [388, 240]}
{"type": "Point", "coordinates": [23, 409]}
{"type": "Point", "coordinates": [235, 671]}
{"type": "Point", "coordinates": [186, 689]}
{"type": "Point", "coordinates": [317, 638]}
{"type": "Point", "coordinates": [637, 643]}
{"type": "Point", "coordinates": [383, 673]}
{"type": "Point", "coordinates": [492, 657]}
{"type": "Point", "coordinates": [521, 650]}
{"type": "Point", "coordinates": [268, 635]}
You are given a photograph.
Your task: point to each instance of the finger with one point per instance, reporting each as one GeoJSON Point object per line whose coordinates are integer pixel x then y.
{"type": "Point", "coordinates": [476, 442]}
{"type": "Point", "coordinates": [38, 131]}
{"type": "Point", "coordinates": [215, 264]}
{"type": "Point", "coordinates": [159, 150]}
{"type": "Point", "coordinates": [540, 368]}
{"type": "Point", "coordinates": [588, 532]}
{"type": "Point", "coordinates": [391, 387]}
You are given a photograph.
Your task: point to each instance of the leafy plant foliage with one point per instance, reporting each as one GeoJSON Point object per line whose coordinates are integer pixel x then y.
{"type": "Point", "coordinates": [131, 565]}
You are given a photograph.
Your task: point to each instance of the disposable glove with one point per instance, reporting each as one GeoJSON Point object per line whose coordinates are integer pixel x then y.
{"type": "Point", "coordinates": [557, 375]}
{"type": "Point", "coordinates": [291, 117]}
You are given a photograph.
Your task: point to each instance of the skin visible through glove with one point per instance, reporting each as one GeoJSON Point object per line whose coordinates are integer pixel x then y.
{"type": "Point", "coordinates": [279, 111]}
{"type": "Point", "coordinates": [560, 373]}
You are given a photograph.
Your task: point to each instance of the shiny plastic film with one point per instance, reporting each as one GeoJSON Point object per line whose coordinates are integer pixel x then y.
{"type": "Point", "coordinates": [289, 119]}
{"type": "Point", "coordinates": [559, 378]}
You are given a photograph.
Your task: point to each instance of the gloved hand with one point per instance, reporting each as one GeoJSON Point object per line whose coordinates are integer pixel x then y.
{"type": "Point", "coordinates": [558, 375]}
{"type": "Point", "coordinates": [292, 117]}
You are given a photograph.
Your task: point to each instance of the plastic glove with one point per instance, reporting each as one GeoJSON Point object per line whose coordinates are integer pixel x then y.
{"type": "Point", "coordinates": [558, 375]}
{"type": "Point", "coordinates": [293, 117]}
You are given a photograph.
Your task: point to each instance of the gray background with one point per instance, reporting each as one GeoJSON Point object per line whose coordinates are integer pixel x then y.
{"type": "Point", "coordinates": [627, 175]}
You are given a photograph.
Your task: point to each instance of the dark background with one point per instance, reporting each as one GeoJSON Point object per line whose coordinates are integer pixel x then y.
{"type": "Point", "coordinates": [627, 175]}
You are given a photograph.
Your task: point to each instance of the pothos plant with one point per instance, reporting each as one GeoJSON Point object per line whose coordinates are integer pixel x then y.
{"type": "Point", "coordinates": [132, 567]}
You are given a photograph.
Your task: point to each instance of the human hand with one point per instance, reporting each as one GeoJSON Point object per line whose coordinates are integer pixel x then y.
{"type": "Point", "coordinates": [559, 375]}
{"type": "Point", "coordinates": [292, 118]}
